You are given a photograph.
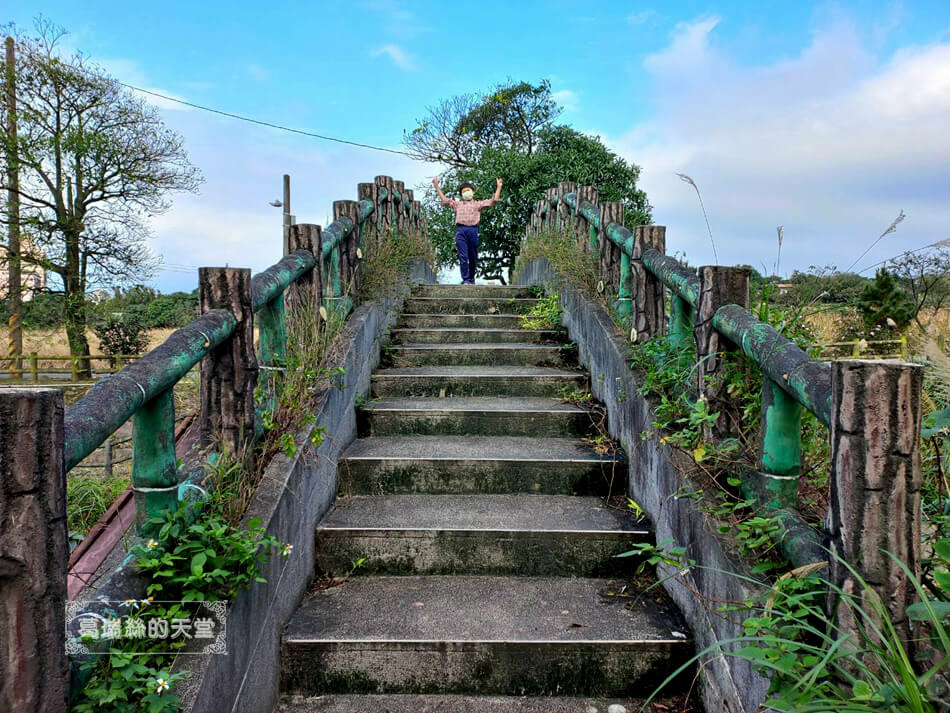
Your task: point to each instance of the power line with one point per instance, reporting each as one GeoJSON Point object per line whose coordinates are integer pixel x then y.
{"type": "Point", "coordinates": [229, 114]}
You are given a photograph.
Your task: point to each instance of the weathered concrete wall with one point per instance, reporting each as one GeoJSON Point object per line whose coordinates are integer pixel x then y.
{"type": "Point", "coordinates": [291, 500]}
{"type": "Point", "coordinates": [656, 476]}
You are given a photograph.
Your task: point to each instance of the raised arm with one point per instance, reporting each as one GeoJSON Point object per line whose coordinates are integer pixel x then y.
{"type": "Point", "coordinates": [489, 202]}
{"type": "Point", "coordinates": [442, 196]}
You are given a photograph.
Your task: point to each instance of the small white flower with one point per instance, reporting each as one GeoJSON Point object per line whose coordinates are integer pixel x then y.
{"type": "Point", "coordinates": [891, 323]}
{"type": "Point", "coordinates": [287, 550]}
{"type": "Point", "coordinates": [130, 603]}
{"type": "Point", "coordinates": [151, 545]}
{"type": "Point", "coordinates": [161, 685]}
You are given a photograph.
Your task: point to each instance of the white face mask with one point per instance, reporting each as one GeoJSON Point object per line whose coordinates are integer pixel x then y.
{"type": "Point", "coordinates": [468, 194]}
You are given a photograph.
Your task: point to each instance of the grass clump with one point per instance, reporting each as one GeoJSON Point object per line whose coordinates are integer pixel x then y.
{"type": "Point", "coordinates": [566, 256]}
{"type": "Point", "coordinates": [545, 314]}
{"type": "Point", "coordinates": [382, 272]}
{"type": "Point", "coordinates": [89, 493]}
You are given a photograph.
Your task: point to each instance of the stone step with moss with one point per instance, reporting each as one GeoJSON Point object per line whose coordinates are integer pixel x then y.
{"type": "Point", "coordinates": [472, 415]}
{"type": "Point", "coordinates": [477, 464]}
{"type": "Point", "coordinates": [517, 354]}
{"type": "Point", "coordinates": [469, 305]}
{"type": "Point", "coordinates": [482, 635]}
{"type": "Point", "coordinates": [470, 335]}
{"type": "Point", "coordinates": [476, 381]}
{"type": "Point", "coordinates": [436, 703]}
{"type": "Point", "coordinates": [453, 321]}
{"type": "Point", "coordinates": [506, 291]}
{"type": "Point", "coordinates": [522, 535]}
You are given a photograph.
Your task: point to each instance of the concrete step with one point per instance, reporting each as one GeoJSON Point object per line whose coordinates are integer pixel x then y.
{"type": "Point", "coordinates": [433, 703]}
{"type": "Point", "coordinates": [476, 464]}
{"type": "Point", "coordinates": [523, 535]}
{"type": "Point", "coordinates": [508, 291]}
{"type": "Point", "coordinates": [481, 635]}
{"type": "Point", "coordinates": [470, 335]}
{"type": "Point", "coordinates": [518, 354]}
{"type": "Point", "coordinates": [475, 381]}
{"type": "Point", "coordinates": [468, 305]}
{"type": "Point", "coordinates": [468, 321]}
{"type": "Point", "coordinates": [472, 415]}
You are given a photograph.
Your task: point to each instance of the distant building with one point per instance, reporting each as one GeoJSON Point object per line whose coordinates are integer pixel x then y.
{"type": "Point", "coordinates": [32, 277]}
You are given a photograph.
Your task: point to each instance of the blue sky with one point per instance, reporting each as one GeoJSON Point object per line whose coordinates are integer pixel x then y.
{"type": "Point", "coordinates": [825, 118]}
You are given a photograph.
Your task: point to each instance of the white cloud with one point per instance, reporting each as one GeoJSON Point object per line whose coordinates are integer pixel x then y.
{"type": "Point", "coordinates": [566, 98]}
{"type": "Point", "coordinates": [830, 143]}
{"type": "Point", "coordinates": [398, 56]}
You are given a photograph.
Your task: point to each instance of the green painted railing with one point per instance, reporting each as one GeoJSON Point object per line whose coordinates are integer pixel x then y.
{"type": "Point", "coordinates": [792, 379]}
{"type": "Point", "coordinates": [143, 390]}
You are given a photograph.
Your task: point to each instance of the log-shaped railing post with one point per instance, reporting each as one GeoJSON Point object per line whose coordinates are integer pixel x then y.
{"type": "Point", "coordinates": [649, 308]}
{"type": "Point", "coordinates": [550, 224]}
{"type": "Point", "coordinates": [718, 286]}
{"type": "Point", "coordinates": [593, 234]}
{"type": "Point", "coordinates": [349, 261]}
{"type": "Point", "coordinates": [611, 256]}
{"type": "Point", "coordinates": [780, 448]}
{"type": "Point", "coordinates": [399, 207]}
{"type": "Point", "coordinates": [34, 552]}
{"type": "Point", "coordinates": [154, 464]}
{"type": "Point", "coordinates": [369, 231]}
{"type": "Point", "coordinates": [563, 209]}
{"type": "Point", "coordinates": [385, 204]}
{"type": "Point", "coordinates": [307, 292]}
{"type": "Point", "coordinates": [582, 227]}
{"type": "Point", "coordinates": [229, 372]}
{"type": "Point", "coordinates": [875, 483]}
{"type": "Point", "coordinates": [408, 200]}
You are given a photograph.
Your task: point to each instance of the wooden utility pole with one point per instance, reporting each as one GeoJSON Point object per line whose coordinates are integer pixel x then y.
{"type": "Point", "coordinates": [14, 284]}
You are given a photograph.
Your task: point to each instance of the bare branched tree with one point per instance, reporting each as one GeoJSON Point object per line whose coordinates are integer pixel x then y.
{"type": "Point", "coordinates": [96, 161]}
{"type": "Point", "coordinates": [925, 275]}
{"type": "Point", "coordinates": [510, 116]}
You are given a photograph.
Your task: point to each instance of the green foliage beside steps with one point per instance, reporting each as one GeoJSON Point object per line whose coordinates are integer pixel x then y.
{"type": "Point", "coordinates": [545, 314]}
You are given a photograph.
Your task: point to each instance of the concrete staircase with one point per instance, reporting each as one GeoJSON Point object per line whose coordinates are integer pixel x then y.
{"type": "Point", "coordinates": [489, 580]}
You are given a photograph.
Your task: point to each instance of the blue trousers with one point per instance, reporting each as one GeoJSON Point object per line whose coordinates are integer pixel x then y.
{"type": "Point", "coordinates": [466, 242]}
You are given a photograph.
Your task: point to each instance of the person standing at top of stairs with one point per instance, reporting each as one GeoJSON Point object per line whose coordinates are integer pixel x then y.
{"type": "Point", "coordinates": [467, 213]}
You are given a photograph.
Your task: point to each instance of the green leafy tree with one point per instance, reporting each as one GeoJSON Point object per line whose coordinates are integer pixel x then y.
{"type": "Point", "coordinates": [559, 153]}
{"type": "Point", "coordinates": [96, 161]}
{"type": "Point", "coordinates": [884, 300]}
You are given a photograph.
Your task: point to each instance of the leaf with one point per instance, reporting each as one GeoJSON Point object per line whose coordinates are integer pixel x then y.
{"type": "Point", "coordinates": [699, 452]}
{"type": "Point", "coordinates": [942, 548]}
{"type": "Point", "coordinates": [862, 691]}
{"type": "Point", "coordinates": [935, 423]}
{"type": "Point", "coordinates": [198, 563]}
{"type": "Point", "coordinates": [920, 611]}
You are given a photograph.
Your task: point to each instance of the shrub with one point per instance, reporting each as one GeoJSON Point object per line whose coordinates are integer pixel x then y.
{"type": "Point", "coordinates": [122, 335]}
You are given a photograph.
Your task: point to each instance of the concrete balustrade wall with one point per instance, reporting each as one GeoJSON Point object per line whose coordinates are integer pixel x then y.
{"type": "Point", "coordinates": [656, 479]}
{"type": "Point", "coordinates": [292, 497]}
